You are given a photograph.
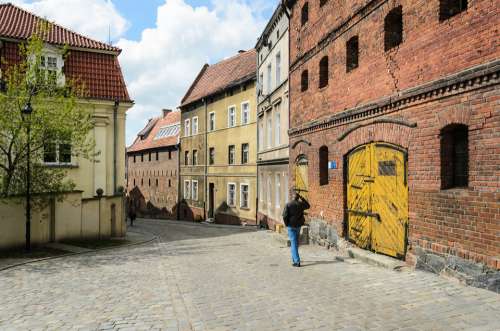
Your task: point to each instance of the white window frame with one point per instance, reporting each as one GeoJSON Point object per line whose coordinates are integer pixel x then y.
{"type": "Point", "coordinates": [269, 78]}
{"type": "Point", "coordinates": [243, 113]}
{"type": "Point", "coordinates": [277, 188]}
{"type": "Point", "coordinates": [194, 129]}
{"type": "Point", "coordinates": [54, 53]}
{"type": "Point", "coordinates": [57, 146]}
{"type": "Point", "coordinates": [248, 196]}
{"type": "Point", "coordinates": [193, 196]}
{"type": "Point", "coordinates": [278, 68]}
{"type": "Point", "coordinates": [261, 133]}
{"type": "Point", "coordinates": [269, 183]}
{"type": "Point", "coordinates": [277, 126]}
{"type": "Point", "coordinates": [211, 124]}
{"type": "Point", "coordinates": [187, 189]}
{"type": "Point", "coordinates": [229, 153]}
{"type": "Point", "coordinates": [247, 153]}
{"type": "Point", "coordinates": [229, 202]}
{"type": "Point", "coordinates": [231, 110]}
{"type": "Point", "coordinates": [269, 130]}
{"type": "Point", "coordinates": [187, 127]}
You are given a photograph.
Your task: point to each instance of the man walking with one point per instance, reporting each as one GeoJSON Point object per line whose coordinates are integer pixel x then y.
{"type": "Point", "coordinates": [293, 216]}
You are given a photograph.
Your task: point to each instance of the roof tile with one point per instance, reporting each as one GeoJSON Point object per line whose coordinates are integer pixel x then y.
{"type": "Point", "coordinates": [152, 140]}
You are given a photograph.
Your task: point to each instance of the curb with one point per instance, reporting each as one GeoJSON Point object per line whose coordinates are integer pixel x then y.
{"type": "Point", "coordinates": [80, 253]}
{"type": "Point", "coordinates": [375, 259]}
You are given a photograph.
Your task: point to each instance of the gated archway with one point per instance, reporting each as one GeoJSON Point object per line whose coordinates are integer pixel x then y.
{"type": "Point", "coordinates": [377, 198]}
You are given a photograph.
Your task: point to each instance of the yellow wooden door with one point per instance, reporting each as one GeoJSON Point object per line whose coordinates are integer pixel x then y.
{"type": "Point", "coordinates": [377, 198]}
{"type": "Point", "coordinates": [302, 177]}
{"type": "Point", "coordinates": [358, 192]}
{"type": "Point", "coordinates": [390, 201]}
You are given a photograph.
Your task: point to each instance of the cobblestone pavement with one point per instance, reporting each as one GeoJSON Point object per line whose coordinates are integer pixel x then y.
{"type": "Point", "coordinates": [198, 277]}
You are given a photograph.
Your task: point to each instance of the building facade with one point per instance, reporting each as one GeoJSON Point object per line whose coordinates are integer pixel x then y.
{"type": "Point", "coordinates": [94, 65]}
{"type": "Point", "coordinates": [218, 150]}
{"type": "Point", "coordinates": [153, 164]}
{"type": "Point", "coordinates": [272, 119]}
{"type": "Point", "coordinates": [395, 128]}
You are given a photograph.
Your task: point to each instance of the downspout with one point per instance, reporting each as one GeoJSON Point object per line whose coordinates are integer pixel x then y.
{"type": "Point", "coordinates": [206, 161]}
{"type": "Point", "coordinates": [178, 212]}
{"type": "Point", "coordinates": [258, 147]}
{"type": "Point", "coordinates": [115, 142]}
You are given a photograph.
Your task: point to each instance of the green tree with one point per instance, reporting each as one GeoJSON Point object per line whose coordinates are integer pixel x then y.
{"type": "Point", "coordinates": [60, 123]}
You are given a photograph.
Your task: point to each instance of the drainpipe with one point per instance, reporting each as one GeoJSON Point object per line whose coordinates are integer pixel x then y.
{"type": "Point", "coordinates": [206, 161]}
{"type": "Point", "coordinates": [115, 140]}
{"type": "Point", "coordinates": [178, 212]}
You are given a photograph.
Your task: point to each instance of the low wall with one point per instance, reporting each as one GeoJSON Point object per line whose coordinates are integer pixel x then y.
{"type": "Point", "coordinates": [69, 217]}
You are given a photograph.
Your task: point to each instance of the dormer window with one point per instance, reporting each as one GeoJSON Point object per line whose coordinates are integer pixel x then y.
{"type": "Point", "coordinates": [51, 61]}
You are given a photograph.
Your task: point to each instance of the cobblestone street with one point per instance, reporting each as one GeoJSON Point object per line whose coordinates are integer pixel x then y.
{"type": "Point", "coordinates": [198, 277]}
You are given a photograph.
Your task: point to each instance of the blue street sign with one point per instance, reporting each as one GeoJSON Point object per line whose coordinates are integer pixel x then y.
{"type": "Point", "coordinates": [332, 165]}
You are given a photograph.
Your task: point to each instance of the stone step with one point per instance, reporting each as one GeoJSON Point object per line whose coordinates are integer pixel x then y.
{"type": "Point", "coordinates": [375, 259]}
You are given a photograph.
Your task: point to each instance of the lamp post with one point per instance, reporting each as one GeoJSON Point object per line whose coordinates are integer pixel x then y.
{"type": "Point", "coordinates": [26, 113]}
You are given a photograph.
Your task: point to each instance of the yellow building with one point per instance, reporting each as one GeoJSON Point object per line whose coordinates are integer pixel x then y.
{"type": "Point", "coordinates": [218, 170]}
{"type": "Point", "coordinates": [84, 213]}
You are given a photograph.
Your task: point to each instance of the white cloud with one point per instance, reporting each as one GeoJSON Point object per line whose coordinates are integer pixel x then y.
{"type": "Point", "coordinates": [97, 19]}
{"type": "Point", "coordinates": [160, 66]}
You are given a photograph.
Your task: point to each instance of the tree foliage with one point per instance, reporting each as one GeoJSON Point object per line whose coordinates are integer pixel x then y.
{"type": "Point", "coordinates": [59, 124]}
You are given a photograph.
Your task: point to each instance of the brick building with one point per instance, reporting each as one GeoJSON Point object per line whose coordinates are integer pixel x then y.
{"type": "Point", "coordinates": [395, 128]}
{"type": "Point", "coordinates": [153, 167]}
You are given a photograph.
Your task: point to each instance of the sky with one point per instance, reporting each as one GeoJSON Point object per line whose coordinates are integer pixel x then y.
{"type": "Point", "coordinates": [164, 42]}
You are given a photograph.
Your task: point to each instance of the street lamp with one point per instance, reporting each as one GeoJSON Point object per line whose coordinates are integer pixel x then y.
{"type": "Point", "coordinates": [26, 114]}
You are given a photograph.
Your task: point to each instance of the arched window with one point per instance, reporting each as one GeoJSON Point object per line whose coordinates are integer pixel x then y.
{"type": "Point", "coordinates": [450, 8]}
{"type": "Point", "coordinates": [323, 165]}
{"type": "Point", "coordinates": [323, 72]}
{"type": "Point", "coordinates": [454, 156]}
{"type": "Point", "coordinates": [393, 28]}
{"type": "Point", "coordinates": [305, 13]}
{"type": "Point", "coordinates": [304, 81]}
{"type": "Point", "coordinates": [352, 53]}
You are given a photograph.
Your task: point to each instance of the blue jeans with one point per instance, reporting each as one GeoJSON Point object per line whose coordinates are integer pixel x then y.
{"type": "Point", "coordinates": [293, 234]}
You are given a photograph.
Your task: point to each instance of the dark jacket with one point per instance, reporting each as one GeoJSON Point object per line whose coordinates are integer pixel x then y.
{"type": "Point", "coordinates": [293, 214]}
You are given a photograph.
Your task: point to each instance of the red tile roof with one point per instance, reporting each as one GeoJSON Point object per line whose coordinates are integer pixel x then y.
{"type": "Point", "coordinates": [153, 139]}
{"type": "Point", "coordinates": [218, 77]}
{"type": "Point", "coordinates": [18, 23]}
{"type": "Point", "coordinates": [98, 70]}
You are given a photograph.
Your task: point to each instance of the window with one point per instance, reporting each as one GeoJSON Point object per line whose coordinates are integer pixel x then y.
{"type": "Point", "coordinates": [195, 126]}
{"type": "Point", "coordinates": [277, 190]}
{"type": "Point", "coordinates": [244, 196]}
{"type": "Point", "coordinates": [157, 182]}
{"type": "Point", "coordinates": [261, 133]}
{"type": "Point", "coordinates": [454, 156]}
{"type": "Point", "coordinates": [187, 189]}
{"type": "Point", "coordinates": [245, 113]}
{"type": "Point", "coordinates": [231, 152]}
{"type": "Point", "coordinates": [169, 183]}
{"type": "Point", "coordinates": [450, 8]}
{"type": "Point", "coordinates": [149, 157]}
{"type": "Point", "coordinates": [157, 156]}
{"type": "Point", "coordinates": [261, 188]}
{"type": "Point", "coordinates": [195, 157]}
{"type": "Point", "coordinates": [231, 117]}
{"type": "Point", "coordinates": [142, 181]}
{"type": "Point", "coordinates": [269, 130]}
{"type": "Point", "coordinates": [134, 182]}
{"type": "Point", "coordinates": [393, 28]}
{"type": "Point", "coordinates": [352, 53]}
{"type": "Point", "coordinates": [57, 153]}
{"type": "Point", "coordinates": [269, 78]}
{"type": "Point", "coordinates": [269, 192]}
{"type": "Point", "coordinates": [186, 158]}
{"type": "Point", "coordinates": [244, 153]}
{"type": "Point", "coordinates": [49, 64]}
{"type": "Point", "coordinates": [261, 82]}
{"type": "Point", "coordinates": [322, 2]}
{"type": "Point", "coordinates": [323, 165]}
{"type": "Point", "coordinates": [170, 155]}
{"type": "Point", "coordinates": [277, 125]}
{"type": "Point", "coordinates": [134, 158]}
{"type": "Point", "coordinates": [211, 155]}
{"type": "Point", "coordinates": [194, 190]}
{"type": "Point", "coordinates": [323, 72]}
{"type": "Point", "coordinates": [187, 128]}
{"type": "Point", "coordinates": [231, 194]}
{"type": "Point", "coordinates": [304, 81]}
{"type": "Point", "coordinates": [211, 121]}
{"type": "Point", "coordinates": [278, 69]}
{"type": "Point", "coordinates": [305, 14]}
{"type": "Point", "coordinates": [142, 157]}
{"type": "Point", "coordinates": [149, 182]}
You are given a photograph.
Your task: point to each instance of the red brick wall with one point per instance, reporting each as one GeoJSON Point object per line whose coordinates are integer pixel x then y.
{"type": "Point", "coordinates": [430, 49]}
{"type": "Point", "coordinates": [461, 222]}
{"type": "Point", "coordinates": [161, 200]}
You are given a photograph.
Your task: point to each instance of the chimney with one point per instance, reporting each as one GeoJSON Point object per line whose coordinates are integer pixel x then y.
{"type": "Point", "coordinates": [166, 112]}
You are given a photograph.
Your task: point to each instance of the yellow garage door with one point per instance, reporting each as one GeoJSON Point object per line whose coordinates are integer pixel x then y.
{"type": "Point", "coordinates": [377, 198]}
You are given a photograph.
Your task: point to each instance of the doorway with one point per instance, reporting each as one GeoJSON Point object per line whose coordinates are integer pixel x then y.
{"type": "Point", "coordinates": [211, 200]}
{"type": "Point", "coordinates": [377, 198]}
